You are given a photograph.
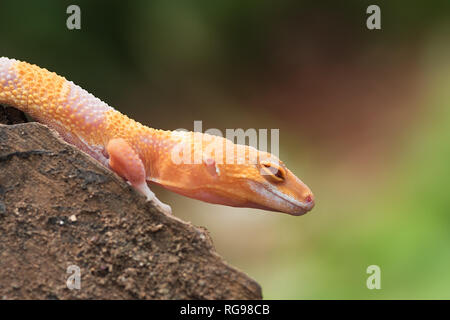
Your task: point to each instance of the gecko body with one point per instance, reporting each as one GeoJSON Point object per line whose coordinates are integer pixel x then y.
{"type": "Point", "coordinates": [143, 155]}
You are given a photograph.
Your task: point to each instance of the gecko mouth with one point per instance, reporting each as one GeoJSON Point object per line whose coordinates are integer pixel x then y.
{"type": "Point", "coordinates": [282, 202]}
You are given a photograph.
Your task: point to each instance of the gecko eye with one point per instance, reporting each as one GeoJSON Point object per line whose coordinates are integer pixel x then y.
{"type": "Point", "coordinates": [273, 171]}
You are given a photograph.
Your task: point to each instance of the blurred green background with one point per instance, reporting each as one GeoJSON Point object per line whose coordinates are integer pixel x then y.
{"type": "Point", "coordinates": [364, 119]}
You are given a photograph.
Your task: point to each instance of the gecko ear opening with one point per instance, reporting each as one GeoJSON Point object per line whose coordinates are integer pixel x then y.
{"type": "Point", "coordinates": [211, 166]}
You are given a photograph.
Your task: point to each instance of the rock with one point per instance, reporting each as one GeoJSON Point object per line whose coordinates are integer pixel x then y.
{"type": "Point", "coordinates": [60, 208]}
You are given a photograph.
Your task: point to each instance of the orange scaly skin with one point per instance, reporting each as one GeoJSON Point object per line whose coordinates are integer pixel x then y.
{"type": "Point", "coordinates": [139, 154]}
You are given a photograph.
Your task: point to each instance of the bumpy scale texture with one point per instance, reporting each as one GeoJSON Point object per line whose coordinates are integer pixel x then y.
{"type": "Point", "coordinates": [78, 116]}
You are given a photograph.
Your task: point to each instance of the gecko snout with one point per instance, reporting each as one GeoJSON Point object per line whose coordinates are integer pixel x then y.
{"type": "Point", "coordinates": [309, 201]}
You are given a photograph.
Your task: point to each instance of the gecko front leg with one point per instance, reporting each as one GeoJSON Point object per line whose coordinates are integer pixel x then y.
{"type": "Point", "coordinates": [124, 161]}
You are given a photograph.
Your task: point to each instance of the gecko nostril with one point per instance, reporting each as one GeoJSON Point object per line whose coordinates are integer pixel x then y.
{"type": "Point", "coordinates": [308, 199]}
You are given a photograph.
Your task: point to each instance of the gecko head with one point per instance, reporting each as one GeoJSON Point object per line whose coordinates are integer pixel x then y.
{"type": "Point", "coordinates": [270, 185]}
{"type": "Point", "coordinates": [235, 175]}
{"type": "Point", "coordinates": [263, 184]}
